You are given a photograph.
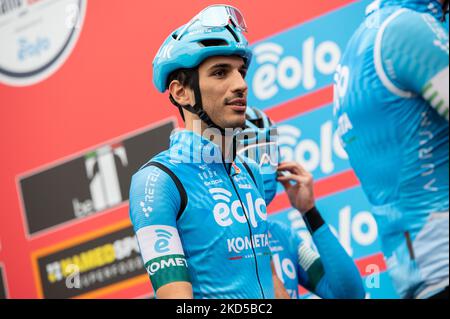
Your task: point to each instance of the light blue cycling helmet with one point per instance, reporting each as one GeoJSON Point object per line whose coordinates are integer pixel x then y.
{"type": "Point", "coordinates": [195, 45]}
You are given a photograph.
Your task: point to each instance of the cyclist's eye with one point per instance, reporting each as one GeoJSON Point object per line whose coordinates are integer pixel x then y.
{"type": "Point", "coordinates": [219, 73]}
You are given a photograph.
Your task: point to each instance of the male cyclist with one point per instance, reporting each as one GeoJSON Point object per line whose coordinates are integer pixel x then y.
{"type": "Point", "coordinates": [391, 112]}
{"type": "Point", "coordinates": [199, 219]}
{"type": "Point", "coordinates": [199, 210]}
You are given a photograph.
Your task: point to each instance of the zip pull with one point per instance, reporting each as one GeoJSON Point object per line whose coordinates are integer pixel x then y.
{"type": "Point", "coordinates": [237, 170]}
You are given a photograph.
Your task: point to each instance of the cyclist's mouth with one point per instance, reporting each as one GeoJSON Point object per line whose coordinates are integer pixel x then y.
{"type": "Point", "coordinates": [238, 105]}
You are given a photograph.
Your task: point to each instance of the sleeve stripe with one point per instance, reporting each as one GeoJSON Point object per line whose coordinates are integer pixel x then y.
{"type": "Point", "coordinates": [438, 87]}
{"type": "Point", "coordinates": [439, 106]}
{"type": "Point", "coordinates": [168, 269]}
{"type": "Point", "coordinates": [432, 97]}
{"type": "Point", "coordinates": [426, 88]}
{"type": "Point", "coordinates": [445, 114]}
{"type": "Point", "coordinates": [315, 274]}
{"type": "Point", "coordinates": [306, 257]}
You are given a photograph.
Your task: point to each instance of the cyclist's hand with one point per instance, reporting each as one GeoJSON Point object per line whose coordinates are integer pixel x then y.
{"type": "Point", "coordinates": [300, 193]}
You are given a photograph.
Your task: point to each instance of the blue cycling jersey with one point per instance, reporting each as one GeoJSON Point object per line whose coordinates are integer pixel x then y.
{"type": "Point", "coordinates": [333, 274]}
{"type": "Point", "coordinates": [202, 221]}
{"type": "Point", "coordinates": [393, 124]}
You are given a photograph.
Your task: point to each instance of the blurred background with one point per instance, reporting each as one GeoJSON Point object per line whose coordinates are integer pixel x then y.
{"type": "Point", "coordinates": [79, 114]}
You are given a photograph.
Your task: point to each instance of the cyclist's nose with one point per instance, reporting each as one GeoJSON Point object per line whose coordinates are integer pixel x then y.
{"type": "Point", "coordinates": [238, 83]}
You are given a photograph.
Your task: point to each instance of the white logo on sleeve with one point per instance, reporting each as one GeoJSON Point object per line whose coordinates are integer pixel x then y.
{"type": "Point", "coordinates": [159, 240]}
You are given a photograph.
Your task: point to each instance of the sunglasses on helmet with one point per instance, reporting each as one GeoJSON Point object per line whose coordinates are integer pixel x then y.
{"type": "Point", "coordinates": [218, 15]}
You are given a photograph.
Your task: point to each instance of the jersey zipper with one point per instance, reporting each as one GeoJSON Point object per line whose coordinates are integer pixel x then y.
{"type": "Point", "coordinates": [249, 228]}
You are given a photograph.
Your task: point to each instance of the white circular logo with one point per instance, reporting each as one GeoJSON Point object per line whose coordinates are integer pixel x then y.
{"type": "Point", "coordinates": [36, 37]}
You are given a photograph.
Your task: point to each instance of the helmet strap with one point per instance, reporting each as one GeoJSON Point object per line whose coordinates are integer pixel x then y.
{"type": "Point", "coordinates": [197, 108]}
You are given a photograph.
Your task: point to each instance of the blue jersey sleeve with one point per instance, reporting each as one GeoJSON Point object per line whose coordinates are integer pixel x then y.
{"type": "Point", "coordinates": [154, 205]}
{"type": "Point", "coordinates": [340, 278]}
{"type": "Point", "coordinates": [309, 266]}
{"type": "Point", "coordinates": [330, 273]}
{"type": "Point", "coordinates": [412, 57]}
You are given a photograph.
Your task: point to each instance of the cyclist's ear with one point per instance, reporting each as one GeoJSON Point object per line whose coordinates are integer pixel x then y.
{"type": "Point", "coordinates": [181, 94]}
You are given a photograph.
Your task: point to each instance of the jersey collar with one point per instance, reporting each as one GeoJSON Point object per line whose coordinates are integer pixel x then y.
{"type": "Point", "coordinates": [189, 146]}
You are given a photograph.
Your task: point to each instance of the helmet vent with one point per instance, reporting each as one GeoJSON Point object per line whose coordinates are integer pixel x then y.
{"type": "Point", "coordinates": [213, 43]}
{"type": "Point", "coordinates": [232, 33]}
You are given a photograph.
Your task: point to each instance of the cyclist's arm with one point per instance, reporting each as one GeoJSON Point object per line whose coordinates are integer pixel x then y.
{"type": "Point", "coordinates": [175, 290]}
{"type": "Point", "coordinates": [331, 273]}
{"type": "Point", "coordinates": [412, 58]}
{"type": "Point", "coordinates": [154, 205]}
{"type": "Point", "coordinates": [334, 275]}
